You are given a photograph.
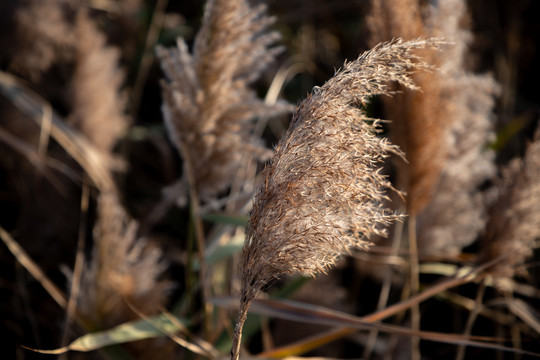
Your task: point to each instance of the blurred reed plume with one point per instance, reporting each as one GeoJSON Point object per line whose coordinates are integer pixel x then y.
{"type": "Point", "coordinates": [415, 116]}
{"type": "Point", "coordinates": [62, 38]}
{"type": "Point", "coordinates": [124, 270]}
{"type": "Point", "coordinates": [513, 231]}
{"type": "Point", "coordinates": [98, 107]}
{"type": "Point", "coordinates": [209, 107]}
{"type": "Point", "coordinates": [44, 36]}
{"type": "Point", "coordinates": [323, 191]}
{"type": "Point", "coordinates": [443, 130]}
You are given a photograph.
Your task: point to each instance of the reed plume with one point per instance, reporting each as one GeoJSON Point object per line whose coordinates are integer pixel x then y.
{"type": "Point", "coordinates": [124, 270]}
{"type": "Point", "coordinates": [444, 129]}
{"type": "Point", "coordinates": [323, 191]}
{"type": "Point", "coordinates": [209, 107]}
{"type": "Point", "coordinates": [42, 36]}
{"type": "Point", "coordinates": [456, 216]}
{"type": "Point", "coordinates": [59, 39]}
{"type": "Point", "coordinates": [95, 86]}
{"type": "Point", "coordinates": [512, 232]}
{"type": "Point", "coordinates": [416, 125]}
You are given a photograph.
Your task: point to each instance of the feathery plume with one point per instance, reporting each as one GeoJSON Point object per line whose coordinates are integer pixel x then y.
{"type": "Point", "coordinates": [454, 218]}
{"type": "Point", "coordinates": [323, 191]}
{"type": "Point", "coordinates": [95, 86]}
{"type": "Point", "coordinates": [124, 269]}
{"type": "Point", "coordinates": [444, 129]}
{"type": "Point", "coordinates": [208, 106]}
{"type": "Point", "coordinates": [43, 35]}
{"type": "Point", "coordinates": [513, 231]}
{"type": "Point", "coordinates": [417, 126]}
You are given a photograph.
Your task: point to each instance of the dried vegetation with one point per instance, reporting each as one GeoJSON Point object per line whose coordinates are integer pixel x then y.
{"type": "Point", "coordinates": [142, 195]}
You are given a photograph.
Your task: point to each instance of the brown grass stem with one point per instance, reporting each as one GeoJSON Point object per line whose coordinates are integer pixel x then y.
{"type": "Point", "coordinates": [473, 315]}
{"type": "Point", "coordinates": [426, 294]}
{"type": "Point", "coordinates": [45, 130]}
{"type": "Point", "coordinates": [469, 304]}
{"type": "Point", "coordinates": [58, 296]}
{"type": "Point", "coordinates": [29, 152]}
{"type": "Point", "coordinates": [206, 351]}
{"type": "Point", "coordinates": [241, 319]}
{"type": "Point", "coordinates": [386, 286]}
{"type": "Point", "coordinates": [201, 343]}
{"type": "Point", "coordinates": [79, 265]}
{"type": "Point", "coordinates": [24, 259]}
{"type": "Point", "coordinates": [199, 233]}
{"type": "Point", "coordinates": [331, 335]}
{"type": "Point", "coordinates": [515, 332]}
{"type": "Point", "coordinates": [415, 285]}
{"type": "Point", "coordinates": [95, 163]}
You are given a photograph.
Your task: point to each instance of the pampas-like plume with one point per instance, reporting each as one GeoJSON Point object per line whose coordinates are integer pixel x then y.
{"type": "Point", "coordinates": [209, 107]}
{"type": "Point", "coordinates": [323, 192]}
{"type": "Point", "coordinates": [444, 129]}
{"type": "Point", "coordinates": [95, 86]}
{"type": "Point", "coordinates": [416, 116]}
{"type": "Point", "coordinates": [124, 270]}
{"type": "Point", "coordinates": [513, 230]}
{"type": "Point", "coordinates": [43, 35]}
{"type": "Point", "coordinates": [455, 217]}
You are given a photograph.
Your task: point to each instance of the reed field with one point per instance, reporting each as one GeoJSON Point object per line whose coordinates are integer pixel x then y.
{"type": "Point", "coordinates": [249, 179]}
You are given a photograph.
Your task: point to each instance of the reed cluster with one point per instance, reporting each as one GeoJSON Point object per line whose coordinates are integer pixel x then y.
{"type": "Point", "coordinates": [153, 184]}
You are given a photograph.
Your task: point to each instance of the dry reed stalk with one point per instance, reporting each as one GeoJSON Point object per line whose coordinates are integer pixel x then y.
{"type": "Point", "coordinates": [513, 230]}
{"type": "Point", "coordinates": [444, 129]}
{"type": "Point", "coordinates": [209, 106]}
{"type": "Point", "coordinates": [323, 191]}
{"type": "Point", "coordinates": [64, 37]}
{"type": "Point", "coordinates": [123, 270]}
{"type": "Point", "coordinates": [95, 86]}
{"type": "Point", "coordinates": [97, 164]}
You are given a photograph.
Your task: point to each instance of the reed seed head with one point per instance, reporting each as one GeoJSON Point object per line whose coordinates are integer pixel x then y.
{"type": "Point", "coordinates": [513, 231]}
{"type": "Point", "coordinates": [444, 129]}
{"type": "Point", "coordinates": [209, 107]}
{"type": "Point", "coordinates": [324, 190]}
